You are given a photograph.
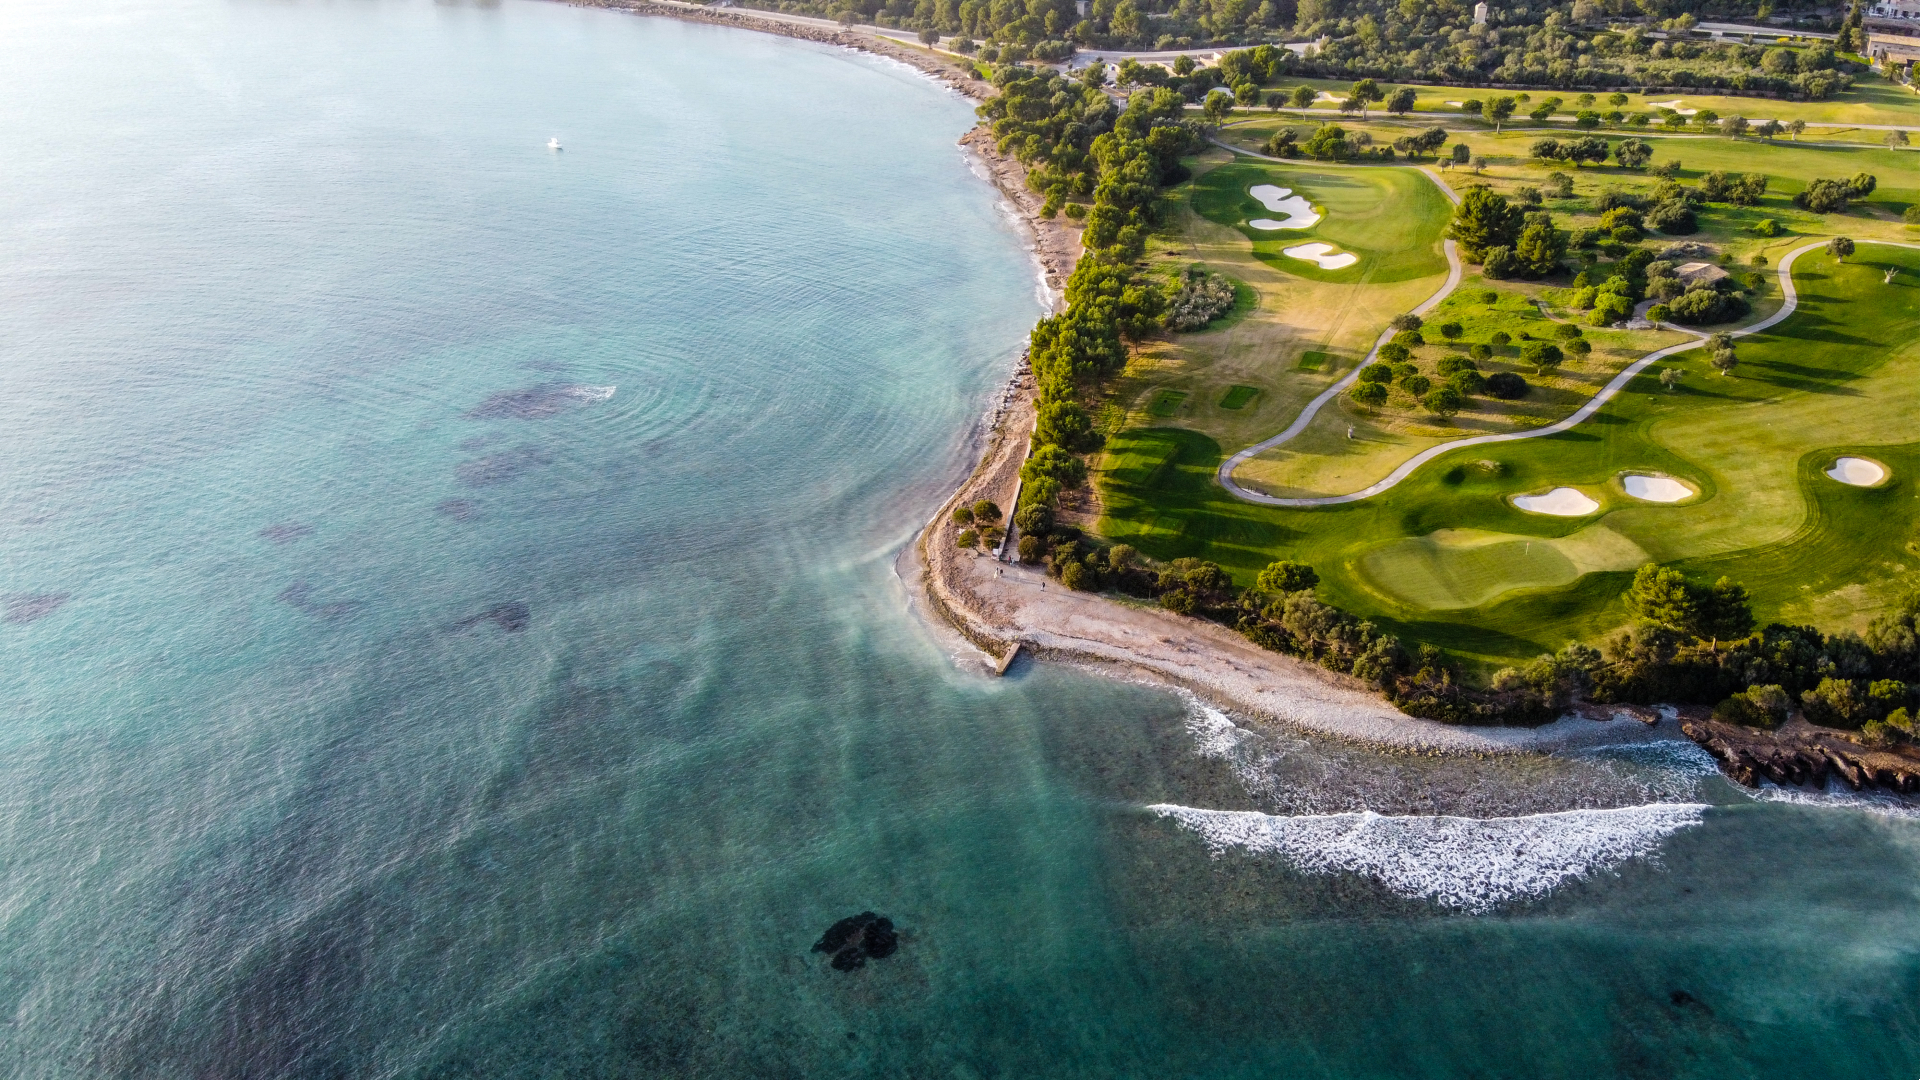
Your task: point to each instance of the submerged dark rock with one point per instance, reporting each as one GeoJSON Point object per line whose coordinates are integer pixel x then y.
{"type": "Point", "coordinates": [286, 532]}
{"type": "Point", "coordinates": [857, 938]}
{"type": "Point", "coordinates": [537, 402]}
{"type": "Point", "coordinates": [457, 509]}
{"type": "Point", "coordinates": [26, 607]}
{"type": "Point", "coordinates": [300, 595]}
{"type": "Point", "coordinates": [501, 467]}
{"type": "Point", "coordinates": [511, 616]}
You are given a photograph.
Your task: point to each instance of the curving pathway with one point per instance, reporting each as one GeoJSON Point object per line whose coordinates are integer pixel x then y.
{"type": "Point", "coordinates": [1406, 468]}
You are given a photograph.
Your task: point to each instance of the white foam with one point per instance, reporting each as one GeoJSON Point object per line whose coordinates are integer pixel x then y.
{"type": "Point", "coordinates": [1300, 212]}
{"type": "Point", "coordinates": [1663, 489]}
{"type": "Point", "coordinates": [1857, 471]}
{"type": "Point", "coordinates": [1560, 502]}
{"type": "Point", "coordinates": [592, 393]}
{"type": "Point", "coordinates": [1318, 253]}
{"type": "Point", "coordinates": [1838, 797]}
{"type": "Point", "coordinates": [1473, 864]}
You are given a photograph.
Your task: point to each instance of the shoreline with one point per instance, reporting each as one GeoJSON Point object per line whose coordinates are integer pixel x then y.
{"type": "Point", "coordinates": [1001, 608]}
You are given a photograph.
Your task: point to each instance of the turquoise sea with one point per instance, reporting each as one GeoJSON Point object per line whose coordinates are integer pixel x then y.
{"type": "Point", "coordinates": [450, 629]}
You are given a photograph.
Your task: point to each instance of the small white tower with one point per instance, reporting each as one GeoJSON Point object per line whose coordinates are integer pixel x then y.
{"type": "Point", "coordinates": [1480, 13]}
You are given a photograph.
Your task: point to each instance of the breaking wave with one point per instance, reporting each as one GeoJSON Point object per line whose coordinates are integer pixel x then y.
{"type": "Point", "coordinates": [1472, 864]}
{"type": "Point", "coordinates": [1836, 797]}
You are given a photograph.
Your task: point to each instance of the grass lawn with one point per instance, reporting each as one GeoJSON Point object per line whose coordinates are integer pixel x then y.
{"type": "Point", "coordinates": [1264, 347]}
{"type": "Point", "coordinates": [1237, 397]}
{"type": "Point", "coordinates": [1446, 557]}
{"type": "Point", "coordinates": [1873, 100]}
{"type": "Point", "coordinates": [1387, 217]}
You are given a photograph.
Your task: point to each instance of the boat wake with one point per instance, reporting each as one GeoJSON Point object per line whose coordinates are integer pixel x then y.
{"type": "Point", "coordinates": [1470, 864]}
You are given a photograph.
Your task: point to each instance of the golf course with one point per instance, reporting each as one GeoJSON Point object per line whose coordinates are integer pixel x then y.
{"type": "Point", "coordinates": [1636, 450]}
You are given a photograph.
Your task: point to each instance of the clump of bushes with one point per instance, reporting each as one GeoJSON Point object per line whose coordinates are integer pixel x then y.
{"type": "Point", "coordinates": [1833, 196]}
{"type": "Point", "coordinates": [1199, 298]}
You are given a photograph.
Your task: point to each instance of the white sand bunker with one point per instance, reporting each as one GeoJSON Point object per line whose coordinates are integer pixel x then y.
{"type": "Point", "coordinates": [1300, 213]}
{"type": "Point", "coordinates": [1858, 471]}
{"type": "Point", "coordinates": [1662, 489]}
{"type": "Point", "coordinates": [1322, 254]}
{"type": "Point", "coordinates": [1560, 502]}
{"type": "Point", "coordinates": [1674, 105]}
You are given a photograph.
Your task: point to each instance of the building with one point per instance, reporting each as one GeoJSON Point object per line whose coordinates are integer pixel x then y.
{"type": "Point", "coordinates": [1893, 33]}
{"type": "Point", "coordinates": [1480, 13]}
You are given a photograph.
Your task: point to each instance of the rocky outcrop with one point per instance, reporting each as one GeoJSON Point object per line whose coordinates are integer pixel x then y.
{"type": "Point", "coordinates": [1800, 753]}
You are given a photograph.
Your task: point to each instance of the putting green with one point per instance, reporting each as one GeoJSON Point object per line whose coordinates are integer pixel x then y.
{"type": "Point", "coordinates": [1237, 397]}
{"type": "Point", "coordinates": [1465, 568]}
{"type": "Point", "coordinates": [1390, 217]}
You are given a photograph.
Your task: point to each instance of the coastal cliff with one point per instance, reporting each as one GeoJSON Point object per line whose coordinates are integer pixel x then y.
{"type": "Point", "coordinates": [1800, 753]}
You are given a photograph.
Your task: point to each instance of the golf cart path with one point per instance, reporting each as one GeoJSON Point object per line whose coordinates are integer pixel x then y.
{"type": "Point", "coordinates": [1406, 468]}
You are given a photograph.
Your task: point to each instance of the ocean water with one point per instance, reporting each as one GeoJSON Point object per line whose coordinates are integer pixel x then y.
{"type": "Point", "coordinates": [451, 629]}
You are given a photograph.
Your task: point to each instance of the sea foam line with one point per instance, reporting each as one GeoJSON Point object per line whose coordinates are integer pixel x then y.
{"type": "Point", "coordinates": [1472, 864]}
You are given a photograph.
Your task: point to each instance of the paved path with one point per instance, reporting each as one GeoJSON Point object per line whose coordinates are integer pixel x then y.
{"type": "Point", "coordinates": [1606, 393]}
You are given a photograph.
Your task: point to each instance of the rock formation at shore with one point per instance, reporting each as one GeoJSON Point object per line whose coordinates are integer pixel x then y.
{"type": "Point", "coordinates": [1800, 753]}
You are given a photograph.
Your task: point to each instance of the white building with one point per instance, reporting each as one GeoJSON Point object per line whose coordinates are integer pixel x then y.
{"type": "Point", "coordinates": [1480, 13]}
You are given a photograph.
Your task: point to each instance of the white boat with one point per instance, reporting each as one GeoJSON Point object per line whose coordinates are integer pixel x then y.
{"type": "Point", "coordinates": [553, 144]}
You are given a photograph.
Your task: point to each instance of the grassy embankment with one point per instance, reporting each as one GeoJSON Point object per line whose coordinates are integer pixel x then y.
{"type": "Point", "coordinates": [1444, 557]}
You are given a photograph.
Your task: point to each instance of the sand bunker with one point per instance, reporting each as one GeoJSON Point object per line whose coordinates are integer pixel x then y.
{"type": "Point", "coordinates": [1560, 502]}
{"type": "Point", "coordinates": [1674, 105]}
{"type": "Point", "coordinates": [1857, 471]}
{"type": "Point", "coordinates": [1300, 213]}
{"type": "Point", "coordinates": [1662, 489]}
{"type": "Point", "coordinates": [1322, 254]}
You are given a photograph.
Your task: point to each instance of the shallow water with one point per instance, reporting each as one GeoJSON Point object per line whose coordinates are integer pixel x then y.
{"type": "Point", "coordinates": [451, 627]}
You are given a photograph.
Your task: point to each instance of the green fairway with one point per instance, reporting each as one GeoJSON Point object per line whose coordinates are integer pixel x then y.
{"type": "Point", "coordinates": [1445, 557]}
{"type": "Point", "coordinates": [1312, 360]}
{"type": "Point", "coordinates": [1391, 218]}
{"type": "Point", "coordinates": [1166, 402]}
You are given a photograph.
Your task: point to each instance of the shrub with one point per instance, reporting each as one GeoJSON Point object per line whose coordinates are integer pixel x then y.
{"type": "Point", "coordinates": [1377, 373]}
{"type": "Point", "coordinates": [1051, 462]}
{"type": "Point", "coordinates": [967, 538]}
{"type": "Point", "coordinates": [1580, 348]}
{"type": "Point", "coordinates": [1566, 331]}
{"type": "Point", "coordinates": [1451, 330]}
{"type": "Point", "coordinates": [1673, 218]}
{"type": "Point", "coordinates": [1407, 321]}
{"type": "Point", "coordinates": [1626, 234]}
{"type": "Point", "coordinates": [986, 512]}
{"type": "Point", "coordinates": [1032, 548]}
{"type": "Point", "coordinates": [1409, 338]}
{"type": "Point", "coordinates": [1480, 352]}
{"type": "Point", "coordinates": [1394, 352]}
{"type": "Point", "coordinates": [1468, 382]}
{"type": "Point", "coordinates": [1702, 307]}
{"type": "Point", "coordinates": [1541, 355]}
{"type": "Point", "coordinates": [1609, 308]}
{"type": "Point", "coordinates": [1660, 313]}
{"type": "Point", "coordinates": [1756, 706]}
{"type": "Point", "coordinates": [1895, 729]}
{"type": "Point", "coordinates": [1417, 385]}
{"type": "Point", "coordinates": [1076, 576]}
{"type": "Point", "coordinates": [1911, 215]}
{"type": "Point", "coordinates": [1500, 338]}
{"type": "Point", "coordinates": [1034, 518]}
{"type": "Point", "coordinates": [1836, 703]}
{"type": "Point", "coordinates": [963, 516]}
{"type": "Point", "coordinates": [1286, 577]}
{"type": "Point", "coordinates": [1200, 299]}
{"type": "Point", "coordinates": [1507, 385]}
{"type": "Point", "coordinates": [1453, 365]}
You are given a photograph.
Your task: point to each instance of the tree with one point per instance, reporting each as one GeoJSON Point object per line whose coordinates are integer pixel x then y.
{"type": "Point", "coordinates": [1724, 361]}
{"type": "Point", "coordinates": [1540, 246]}
{"type": "Point", "coordinates": [1546, 150]}
{"type": "Point", "coordinates": [1484, 220]}
{"type": "Point", "coordinates": [1444, 401]}
{"type": "Point", "coordinates": [1218, 106]}
{"type": "Point", "coordinates": [1499, 109]}
{"type": "Point", "coordinates": [1633, 153]}
{"type": "Point", "coordinates": [1461, 153]}
{"type": "Point", "coordinates": [1303, 96]}
{"type": "Point", "coordinates": [1063, 423]}
{"type": "Point", "coordinates": [1366, 91]}
{"type": "Point", "coordinates": [1725, 613]}
{"type": "Point", "coordinates": [1897, 138]}
{"type": "Point", "coordinates": [1824, 196]}
{"type": "Point", "coordinates": [1840, 247]}
{"type": "Point", "coordinates": [1541, 355]}
{"type": "Point", "coordinates": [1286, 577]}
{"type": "Point", "coordinates": [1616, 100]}
{"type": "Point", "coordinates": [1862, 184]}
{"type": "Point", "coordinates": [1407, 321]}
{"type": "Point", "coordinates": [963, 516]}
{"type": "Point", "coordinates": [1734, 126]}
{"type": "Point", "coordinates": [1328, 144]}
{"type": "Point", "coordinates": [929, 36]}
{"type": "Point", "coordinates": [1400, 102]}
{"type": "Point", "coordinates": [1670, 378]}
{"type": "Point", "coordinates": [1591, 148]}
{"type": "Point", "coordinates": [1663, 598]}
{"type": "Point", "coordinates": [1370, 394]}
{"type": "Point", "coordinates": [1795, 127]}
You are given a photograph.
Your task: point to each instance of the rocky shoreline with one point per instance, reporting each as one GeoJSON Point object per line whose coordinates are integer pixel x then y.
{"type": "Point", "coordinates": [1799, 753]}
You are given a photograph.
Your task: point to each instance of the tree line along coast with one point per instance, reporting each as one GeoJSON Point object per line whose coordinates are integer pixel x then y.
{"type": "Point", "coordinates": [1582, 255]}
